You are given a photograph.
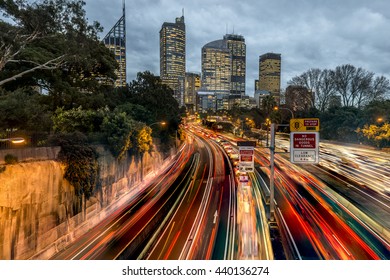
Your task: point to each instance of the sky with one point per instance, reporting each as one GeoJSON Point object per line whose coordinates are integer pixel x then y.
{"type": "Point", "coordinates": [308, 34]}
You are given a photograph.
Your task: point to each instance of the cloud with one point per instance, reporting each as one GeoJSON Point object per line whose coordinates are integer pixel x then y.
{"type": "Point", "coordinates": [307, 33]}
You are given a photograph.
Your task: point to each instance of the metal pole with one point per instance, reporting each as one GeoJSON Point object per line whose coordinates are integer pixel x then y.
{"type": "Point", "coordinates": [272, 171]}
{"type": "Point", "coordinates": [267, 134]}
{"type": "Point", "coordinates": [176, 139]}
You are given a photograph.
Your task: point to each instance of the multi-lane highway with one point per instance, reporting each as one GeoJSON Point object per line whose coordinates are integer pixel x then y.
{"type": "Point", "coordinates": [197, 208]}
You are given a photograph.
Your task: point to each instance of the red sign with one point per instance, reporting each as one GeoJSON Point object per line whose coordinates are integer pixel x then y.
{"type": "Point", "coordinates": [246, 152]}
{"type": "Point", "coordinates": [246, 158]}
{"type": "Point", "coordinates": [310, 122]}
{"type": "Point", "coordinates": [304, 141]}
{"type": "Point", "coordinates": [244, 179]}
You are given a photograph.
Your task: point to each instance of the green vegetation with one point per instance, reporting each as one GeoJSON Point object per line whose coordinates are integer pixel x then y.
{"type": "Point", "coordinates": [80, 159]}
{"type": "Point", "coordinates": [10, 159]}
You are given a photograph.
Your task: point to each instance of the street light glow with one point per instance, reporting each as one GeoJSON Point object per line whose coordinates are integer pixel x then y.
{"type": "Point", "coordinates": [276, 108]}
{"type": "Point", "coordinates": [15, 140]}
{"type": "Point", "coordinates": [160, 123]}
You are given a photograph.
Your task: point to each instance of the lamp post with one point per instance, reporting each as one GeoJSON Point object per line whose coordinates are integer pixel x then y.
{"type": "Point", "coordinates": [161, 123]}
{"type": "Point", "coordinates": [15, 140]}
{"type": "Point", "coordinates": [283, 108]}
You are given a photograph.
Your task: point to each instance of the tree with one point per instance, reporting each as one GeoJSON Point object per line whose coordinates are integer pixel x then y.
{"type": "Point", "coordinates": [353, 84]}
{"type": "Point", "coordinates": [149, 92]}
{"type": "Point", "coordinates": [268, 105]}
{"type": "Point", "coordinates": [119, 130]}
{"type": "Point", "coordinates": [52, 35]}
{"type": "Point", "coordinates": [340, 123]}
{"type": "Point", "coordinates": [24, 109]}
{"type": "Point", "coordinates": [326, 90]}
{"type": "Point", "coordinates": [77, 119]}
{"type": "Point", "coordinates": [143, 139]}
{"type": "Point", "coordinates": [298, 98]}
{"type": "Point", "coordinates": [379, 135]}
{"type": "Point", "coordinates": [356, 86]}
{"type": "Point", "coordinates": [311, 80]}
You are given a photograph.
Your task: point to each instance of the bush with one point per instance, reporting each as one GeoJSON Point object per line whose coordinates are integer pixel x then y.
{"type": "Point", "coordinates": [10, 159]}
{"type": "Point", "coordinates": [81, 162]}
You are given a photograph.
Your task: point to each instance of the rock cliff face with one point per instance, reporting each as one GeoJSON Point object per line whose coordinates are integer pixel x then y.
{"type": "Point", "coordinates": [39, 212]}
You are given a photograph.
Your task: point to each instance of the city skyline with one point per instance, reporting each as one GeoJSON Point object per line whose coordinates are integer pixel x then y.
{"type": "Point", "coordinates": [307, 34]}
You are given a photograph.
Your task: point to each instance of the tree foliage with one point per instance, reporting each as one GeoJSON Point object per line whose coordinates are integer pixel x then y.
{"type": "Point", "coordinates": [379, 135]}
{"type": "Point", "coordinates": [77, 119]}
{"type": "Point", "coordinates": [118, 129]}
{"type": "Point", "coordinates": [356, 87]}
{"type": "Point", "coordinates": [24, 109]}
{"type": "Point", "coordinates": [51, 35]}
{"type": "Point", "coordinates": [81, 164]}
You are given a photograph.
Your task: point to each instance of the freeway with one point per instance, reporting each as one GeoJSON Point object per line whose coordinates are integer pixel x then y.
{"type": "Point", "coordinates": [202, 227]}
{"type": "Point", "coordinates": [188, 211]}
{"type": "Point", "coordinates": [361, 176]}
{"type": "Point", "coordinates": [335, 227]}
{"type": "Point", "coordinates": [197, 208]}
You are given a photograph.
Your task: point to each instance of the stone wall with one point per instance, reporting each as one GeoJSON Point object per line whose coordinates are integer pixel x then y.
{"type": "Point", "coordinates": [38, 208]}
{"type": "Point", "coordinates": [31, 154]}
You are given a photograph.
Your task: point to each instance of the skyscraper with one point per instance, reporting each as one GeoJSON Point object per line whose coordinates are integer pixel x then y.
{"type": "Point", "coordinates": [173, 56]}
{"type": "Point", "coordinates": [216, 67]}
{"type": "Point", "coordinates": [223, 70]}
{"type": "Point", "coordinates": [237, 47]}
{"type": "Point", "coordinates": [269, 74]}
{"type": "Point", "coordinates": [192, 86]}
{"type": "Point", "coordinates": [115, 40]}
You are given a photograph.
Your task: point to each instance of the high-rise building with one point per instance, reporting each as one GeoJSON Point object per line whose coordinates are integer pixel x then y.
{"type": "Point", "coordinates": [115, 40]}
{"type": "Point", "coordinates": [192, 86]}
{"type": "Point", "coordinates": [269, 74]}
{"type": "Point", "coordinates": [224, 70]}
{"type": "Point", "coordinates": [173, 56]}
{"type": "Point", "coordinates": [216, 67]}
{"type": "Point", "coordinates": [237, 47]}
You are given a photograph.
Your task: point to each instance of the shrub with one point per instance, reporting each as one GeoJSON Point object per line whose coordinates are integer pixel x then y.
{"type": "Point", "coordinates": [10, 159]}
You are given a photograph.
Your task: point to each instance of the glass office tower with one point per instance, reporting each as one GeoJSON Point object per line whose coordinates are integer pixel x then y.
{"type": "Point", "coordinates": [115, 40]}
{"type": "Point", "coordinates": [237, 47]}
{"type": "Point", "coordinates": [173, 56]}
{"type": "Point", "coordinates": [269, 74]}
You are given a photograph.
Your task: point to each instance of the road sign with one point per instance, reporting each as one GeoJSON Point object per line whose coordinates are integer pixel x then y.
{"type": "Point", "coordinates": [308, 124]}
{"type": "Point", "coordinates": [244, 179]}
{"type": "Point", "coordinates": [246, 158]}
{"type": "Point", "coordinates": [304, 140]}
{"type": "Point", "coordinates": [304, 147]}
{"type": "Point", "coordinates": [246, 143]}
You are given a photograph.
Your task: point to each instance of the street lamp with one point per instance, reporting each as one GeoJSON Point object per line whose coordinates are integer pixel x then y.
{"type": "Point", "coordinates": [267, 123]}
{"type": "Point", "coordinates": [15, 140]}
{"type": "Point", "coordinates": [160, 123]}
{"type": "Point", "coordinates": [283, 108]}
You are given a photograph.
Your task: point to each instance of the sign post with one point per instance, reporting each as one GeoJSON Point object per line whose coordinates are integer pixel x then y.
{"type": "Point", "coordinates": [304, 140]}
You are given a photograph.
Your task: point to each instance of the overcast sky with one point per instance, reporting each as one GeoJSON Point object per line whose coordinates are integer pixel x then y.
{"type": "Point", "coordinates": [307, 33]}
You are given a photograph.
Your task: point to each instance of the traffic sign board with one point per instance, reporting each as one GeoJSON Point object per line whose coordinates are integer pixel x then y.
{"type": "Point", "coordinates": [304, 147]}
{"type": "Point", "coordinates": [304, 140]}
{"type": "Point", "coordinates": [246, 158]}
{"type": "Point", "coordinates": [302, 156]}
{"type": "Point", "coordinates": [308, 124]}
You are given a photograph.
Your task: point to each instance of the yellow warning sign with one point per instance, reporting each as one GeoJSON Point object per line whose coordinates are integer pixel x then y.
{"type": "Point", "coordinates": [308, 124]}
